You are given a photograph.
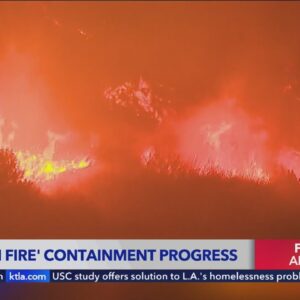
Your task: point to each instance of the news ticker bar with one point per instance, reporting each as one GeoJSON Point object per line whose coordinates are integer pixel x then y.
{"type": "Point", "coordinates": [150, 255]}
{"type": "Point", "coordinates": [143, 276]}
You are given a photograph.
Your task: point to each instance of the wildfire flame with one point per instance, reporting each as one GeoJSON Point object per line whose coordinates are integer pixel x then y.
{"type": "Point", "coordinates": [41, 167]}
{"type": "Point", "coordinates": [219, 139]}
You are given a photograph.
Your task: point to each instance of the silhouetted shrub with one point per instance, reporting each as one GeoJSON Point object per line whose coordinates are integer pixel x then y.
{"type": "Point", "coordinates": [10, 173]}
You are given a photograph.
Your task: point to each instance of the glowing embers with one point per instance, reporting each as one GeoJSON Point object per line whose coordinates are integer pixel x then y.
{"type": "Point", "coordinates": [138, 98]}
{"type": "Point", "coordinates": [223, 139]}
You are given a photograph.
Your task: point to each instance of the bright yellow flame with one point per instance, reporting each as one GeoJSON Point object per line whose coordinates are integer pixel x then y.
{"type": "Point", "coordinates": [40, 168]}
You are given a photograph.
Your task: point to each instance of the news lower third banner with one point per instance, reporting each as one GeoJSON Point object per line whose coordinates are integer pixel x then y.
{"type": "Point", "coordinates": [99, 261]}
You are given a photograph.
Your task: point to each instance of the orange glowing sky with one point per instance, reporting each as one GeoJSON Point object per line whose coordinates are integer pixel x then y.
{"type": "Point", "coordinates": [115, 79]}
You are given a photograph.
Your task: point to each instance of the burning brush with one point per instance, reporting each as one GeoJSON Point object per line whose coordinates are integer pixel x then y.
{"type": "Point", "coordinates": [42, 167]}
